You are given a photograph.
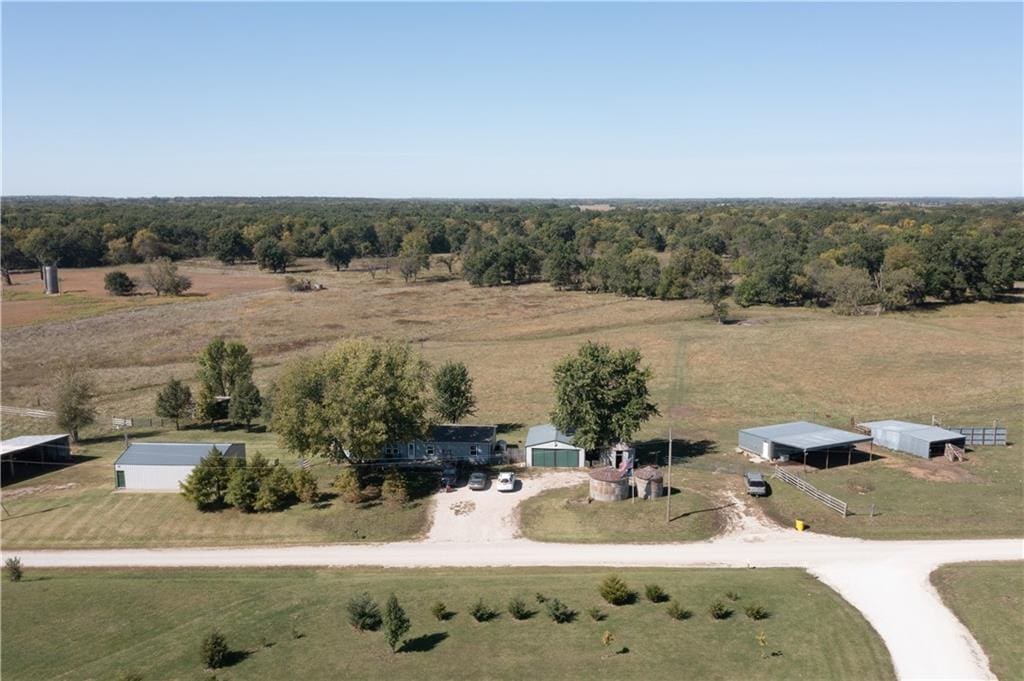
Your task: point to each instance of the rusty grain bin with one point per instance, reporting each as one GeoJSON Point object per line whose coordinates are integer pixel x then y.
{"type": "Point", "coordinates": [649, 481]}
{"type": "Point", "coordinates": [608, 484]}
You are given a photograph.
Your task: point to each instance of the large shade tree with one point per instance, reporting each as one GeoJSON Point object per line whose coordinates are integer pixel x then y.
{"type": "Point", "coordinates": [601, 395]}
{"type": "Point", "coordinates": [453, 392]}
{"type": "Point", "coordinates": [352, 400]}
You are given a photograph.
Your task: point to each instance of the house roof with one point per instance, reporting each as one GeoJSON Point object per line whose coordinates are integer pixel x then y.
{"type": "Point", "coordinates": [453, 433]}
{"type": "Point", "coordinates": [23, 442]}
{"type": "Point", "coordinates": [806, 436]}
{"type": "Point", "coordinates": [916, 430]}
{"type": "Point", "coordinates": [170, 453]}
{"type": "Point", "coordinates": [539, 435]}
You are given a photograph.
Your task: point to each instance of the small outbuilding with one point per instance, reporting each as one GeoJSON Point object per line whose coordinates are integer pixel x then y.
{"type": "Point", "coordinates": [649, 482]}
{"type": "Point", "coordinates": [30, 449]}
{"type": "Point", "coordinates": [609, 484]}
{"type": "Point", "coordinates": [546, 446]}
{"type": "Point", "coordinates": [785, 441]}
{"type": "Point", "coordinates": [163, 466]}
{"type": "Point", "coordinates": [913, 438]}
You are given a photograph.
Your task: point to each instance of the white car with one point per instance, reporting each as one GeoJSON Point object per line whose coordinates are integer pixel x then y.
{"type": "Point", "coordinates": [506, 482]}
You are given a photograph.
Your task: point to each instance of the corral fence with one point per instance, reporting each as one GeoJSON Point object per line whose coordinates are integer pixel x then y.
{"type": "Point", "coordinates": [981, 436]}
{"type": "Point", "coordinates": [837, 505]}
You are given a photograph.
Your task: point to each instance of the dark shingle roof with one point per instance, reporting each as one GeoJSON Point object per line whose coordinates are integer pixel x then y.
{"type": "Point", "coordinates": [452, 433]}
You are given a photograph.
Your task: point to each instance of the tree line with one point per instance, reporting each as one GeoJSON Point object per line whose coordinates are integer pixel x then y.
{"type": "Point", "coordinates": [844, 254]}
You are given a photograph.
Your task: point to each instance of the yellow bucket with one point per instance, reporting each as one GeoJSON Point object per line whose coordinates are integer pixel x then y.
{"type": "Point", "coordinates": [800, 525]}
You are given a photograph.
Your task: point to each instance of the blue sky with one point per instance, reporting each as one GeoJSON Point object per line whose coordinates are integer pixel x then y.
{"type": "Point", "coordinates": [513, 100]}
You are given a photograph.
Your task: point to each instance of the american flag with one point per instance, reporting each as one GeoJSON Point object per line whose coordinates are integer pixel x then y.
{"type": "Point", "coordinates": [627, 464]}
{"type": "Point", "coordinates": [305, 464]}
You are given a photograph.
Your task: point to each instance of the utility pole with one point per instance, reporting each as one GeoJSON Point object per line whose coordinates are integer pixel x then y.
{"type": "Point", "coordinates": [668, 481]}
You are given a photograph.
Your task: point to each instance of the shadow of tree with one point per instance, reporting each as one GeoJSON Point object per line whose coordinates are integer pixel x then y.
{"type": "Point", "coordinates": [424, 643]}
{"type": "Point", "coordinates": [656, 451]}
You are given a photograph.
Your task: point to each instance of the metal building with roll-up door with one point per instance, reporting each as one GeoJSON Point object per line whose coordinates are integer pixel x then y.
{"type": "Point", "coordinates": [548, 447]}
{"type": "Point", "coordinates": [913, 438]}
{"type": "Point", "coordinates": [163, 466]}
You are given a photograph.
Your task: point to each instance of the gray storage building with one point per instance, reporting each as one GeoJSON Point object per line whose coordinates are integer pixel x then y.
{"type": "Point", "coordinates": [787, 440]}
{"type": "Point", "coordinates": [163, 466]}
{"type": "Point", "coordinates": [913, 438]}
{"type": "Point", "coordinates": [547, 446]}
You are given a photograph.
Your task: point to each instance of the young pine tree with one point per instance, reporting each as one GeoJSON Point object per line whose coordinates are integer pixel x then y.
{"type": "Point", "coordinates": [396, 623]}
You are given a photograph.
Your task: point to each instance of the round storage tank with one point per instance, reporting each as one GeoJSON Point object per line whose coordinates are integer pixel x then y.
{"type": "Point", "coordinates": [51, 281]}
{"type": "Point", "coordinates": [608, 484]}
{"type": "Point", "coordinates": [649, 481]}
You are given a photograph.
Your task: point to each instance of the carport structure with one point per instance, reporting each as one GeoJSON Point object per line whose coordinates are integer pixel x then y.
{"type": "Point", "coordinates": [786, 441]}
{"type": "Point", "coordinates": [913, 438]}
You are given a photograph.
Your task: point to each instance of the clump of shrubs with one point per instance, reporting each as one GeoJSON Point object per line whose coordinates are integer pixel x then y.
{"type": "Point", "coordinates": [363, 613]}
{"type": "Point", "coordinates": [596, 614]}
{"type": "Point", "coordinates": [719, 611]}
{"type": "Point", "coordinates": [732, 596]}
{"type": "Point", "coordinates": [677, 612]}
{"type": "Point", "coordinates": [214, 650]}
{"type": "Point", "coordinates": [253, 486]}
{"type": "Point", "coordinates": [559, 612]}
{"type": "Point", "coordinates": [394, 491]}
{"type": "Point", "coordinates": [347, 485]}
{"type": "Point", "coordinates": [517, 608]}
{"type": "Point", "coordinates": [13, 568]}
{"type": "Point", "coordinates": [614, 591]}
{"type": "Point", "coordinates": [117, 283]}
{"type": "Point", "coordinates": [757, 612]}
{"type": "Point", "coordinates": [655, 594]}
{"type": "Point", "coordinates": [541, 598]}
{"type": "Point", "coordinates": [482, 612]}
{"type": "Point", "coordinates": [440, 611]}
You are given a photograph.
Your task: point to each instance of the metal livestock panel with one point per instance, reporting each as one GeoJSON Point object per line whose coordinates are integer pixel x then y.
{"type": "Point", "coordinates": [982, 436]}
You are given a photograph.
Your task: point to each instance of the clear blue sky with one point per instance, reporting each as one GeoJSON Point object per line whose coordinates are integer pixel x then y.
{"type": "Point", "coordinates": [502, 100]}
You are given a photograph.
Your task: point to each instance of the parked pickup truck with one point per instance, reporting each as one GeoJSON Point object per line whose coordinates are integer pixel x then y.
{"type": "Point", "coordinates": [756, 486]}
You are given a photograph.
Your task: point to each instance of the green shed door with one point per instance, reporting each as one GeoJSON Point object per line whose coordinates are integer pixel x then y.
{"type": "Point", "coordinates": [566, 458]}
{"type": "Point", "coordinates": [544, 457]}
{"type": "Point", "coordinates": [555, 458]}
{"type": "Point", "coordinates": [119, 479]}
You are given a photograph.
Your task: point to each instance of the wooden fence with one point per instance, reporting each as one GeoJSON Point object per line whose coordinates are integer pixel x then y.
{"type": "Point", "coordinates": [837, 505]}
{"type": "Point", "coordinates": [31, 413]}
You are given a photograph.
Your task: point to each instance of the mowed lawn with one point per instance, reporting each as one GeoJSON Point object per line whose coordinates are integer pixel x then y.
{"type": "Point", "coordinates": [960, 363]}
{"type": "Point", "coordinates": [565, 515]}
{"type": "Point", "coordinates": [989, 599]}
{"type": "Point", "coordinates": [77, 507]}
{"type": "Point", "coordinates": [290, 624]}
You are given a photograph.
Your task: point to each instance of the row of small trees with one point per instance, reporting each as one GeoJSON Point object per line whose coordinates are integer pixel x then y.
{"type": "Point", "coordinates": [255, 485]}
{"type": "Point", "coordinates": [161, 275]}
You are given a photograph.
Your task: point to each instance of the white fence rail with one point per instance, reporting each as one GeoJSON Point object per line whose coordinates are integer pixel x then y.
{"type": "Point", "coordinates": [31, 413]}
{"type": "Point", "coordinates": [837, 505]}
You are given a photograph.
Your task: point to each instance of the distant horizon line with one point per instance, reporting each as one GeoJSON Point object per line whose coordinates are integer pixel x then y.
{"type": "Point", "coordinates": [592, 199]}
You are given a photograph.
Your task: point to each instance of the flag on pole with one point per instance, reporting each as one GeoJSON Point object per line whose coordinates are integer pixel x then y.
{"type": "Point", "coordinates": [305, 464]}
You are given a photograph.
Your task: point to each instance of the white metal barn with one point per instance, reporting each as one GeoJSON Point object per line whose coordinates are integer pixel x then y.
{"type": "Point", "coordinates": [546, 446]}
{"type": "Point", "coordinates": [163, 466]}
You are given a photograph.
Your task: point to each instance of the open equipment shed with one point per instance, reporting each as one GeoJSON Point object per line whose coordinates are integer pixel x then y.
{"type": "Point", "coordinates": [913, 438]}
{"type": "Point", "coordinates": [785, 441]}
{"type": "Point", "coordinates": [35, 448]}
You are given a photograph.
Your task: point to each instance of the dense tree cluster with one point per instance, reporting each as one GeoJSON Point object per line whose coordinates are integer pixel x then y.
{"type": "Point", "coordinates": [847, 254]}
{"type": "Point", "coordinates": [251, 486]}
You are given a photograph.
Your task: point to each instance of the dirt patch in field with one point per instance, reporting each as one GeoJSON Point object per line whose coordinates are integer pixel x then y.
{"type": "Point", "coordinates": [82, 291]}
{"type": "Point", "coordinates": [939, 470]}
{"type": "Point", "coordinates": [38, 489]}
